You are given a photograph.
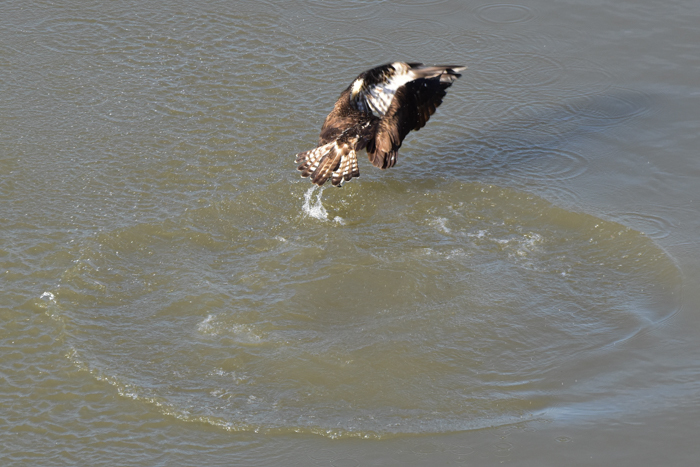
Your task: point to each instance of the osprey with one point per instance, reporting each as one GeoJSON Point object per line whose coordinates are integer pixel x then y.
{"type": "Point", "coordinates": [375, 113]}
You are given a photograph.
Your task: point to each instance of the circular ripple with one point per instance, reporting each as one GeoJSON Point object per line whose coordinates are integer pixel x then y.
{"type": "Point", "coordinates": [407, 319]}
{"type": "Point", "coordinates": [478, 42]}
{"type": "Point", "coordinates": [533, 163]}
{"type": "Point", "coordinates": [583, 77]}
{"type": "Point", "coordinates": [410, 36]}
{"type": "Point", "coordinates": [506, 159]}
{"type": "Point", "coordinates": [350, 60]}
{"type": "Point", "coordinates": [342, 11]}
{"type": "Point", "coordinates": [610, 108]}
{"type": "Point", "coordinates": [428, 3]}
{"type": "Point", "coordinates": [519, 70]}
{"type": "Point", "coordinates": [421, 26]}
{"type": "Point", "coordinates": [561, 196]}
{"type": "Point", "coordinates": [504, 13]}
{"type": "Point", "coordinates": [652, 226]}
{"type": "Point", "coordinates": [417, 8]}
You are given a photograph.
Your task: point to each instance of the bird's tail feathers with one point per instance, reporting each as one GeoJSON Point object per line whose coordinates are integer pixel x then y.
{"type": "Point", "coordinates": [337, 161]}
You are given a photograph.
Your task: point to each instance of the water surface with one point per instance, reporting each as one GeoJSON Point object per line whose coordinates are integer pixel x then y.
{"type": "Point", "coordinates": [520, 284]}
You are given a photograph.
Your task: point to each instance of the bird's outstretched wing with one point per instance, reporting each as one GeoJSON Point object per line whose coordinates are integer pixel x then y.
{"type": "Point", "coordinates": [411, 107]}
{"type": "Point", "coordinates": [375, 89]}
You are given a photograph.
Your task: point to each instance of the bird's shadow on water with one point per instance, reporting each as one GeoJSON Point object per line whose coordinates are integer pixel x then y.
{"type": "Point", "coordinates": [542, 142]}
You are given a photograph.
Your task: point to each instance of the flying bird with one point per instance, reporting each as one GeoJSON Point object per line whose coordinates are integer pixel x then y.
{"type": "Point", "coordinates": [376, 112]}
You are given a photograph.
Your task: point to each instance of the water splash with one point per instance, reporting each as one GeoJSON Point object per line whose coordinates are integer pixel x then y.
{"type": "Point", "coordinates": [314, 208]}
{"type": "Point", "coordinates": [48, 296]}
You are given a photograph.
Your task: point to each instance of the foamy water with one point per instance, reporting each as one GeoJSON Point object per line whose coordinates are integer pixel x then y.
{"type": "Point", "coordinates": [314, 207]}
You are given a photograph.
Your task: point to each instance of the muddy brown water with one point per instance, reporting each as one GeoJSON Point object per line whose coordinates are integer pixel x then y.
{"type": "Point", "coordinates": [522, 288]}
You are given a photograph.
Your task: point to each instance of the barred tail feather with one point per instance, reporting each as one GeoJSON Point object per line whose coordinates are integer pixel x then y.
{"type": "Point", "coordinates": [337, 161]}
{"type": "Point", "coordinates": [311, 159]}
{"type": "Point", "coordinates": [346, 169]}
{"type": "Point", "coordinates": [326, 166]}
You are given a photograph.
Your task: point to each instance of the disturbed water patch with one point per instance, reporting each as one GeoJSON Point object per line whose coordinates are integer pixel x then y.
{"type": "Point", "coordinates": [442, 312]}
{"type": "Point", "coordinates": [314, 207]}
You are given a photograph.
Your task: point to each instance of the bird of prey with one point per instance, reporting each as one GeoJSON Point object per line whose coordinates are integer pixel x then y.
{"type": "Point", "coordinates": [376, 112]}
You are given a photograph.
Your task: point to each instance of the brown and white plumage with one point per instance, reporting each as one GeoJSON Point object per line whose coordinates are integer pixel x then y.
{"type": "Point", "coordinates": [376, 112]}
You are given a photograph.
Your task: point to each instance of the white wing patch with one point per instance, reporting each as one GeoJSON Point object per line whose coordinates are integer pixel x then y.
{"type": "Point", "coordinates": [379, 96]}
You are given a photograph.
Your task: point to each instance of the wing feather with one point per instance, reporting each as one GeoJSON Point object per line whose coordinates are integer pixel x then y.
{"type": "Point", "coordinates": [410, 109]}
{"type": "Point", "coordinates": [378, 86]}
